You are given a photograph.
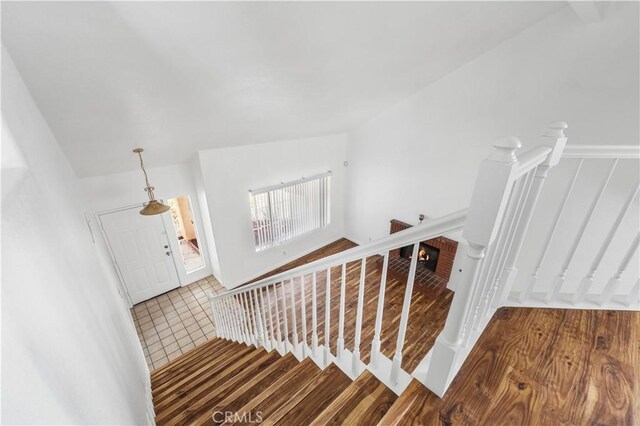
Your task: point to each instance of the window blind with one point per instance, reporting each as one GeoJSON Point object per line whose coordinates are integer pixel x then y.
{"type": "Point", "coordinates": [282, 212]}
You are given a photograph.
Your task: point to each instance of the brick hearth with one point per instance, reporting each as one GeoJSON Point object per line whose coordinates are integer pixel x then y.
{"type": "Point", "coordinates": [426, 281]}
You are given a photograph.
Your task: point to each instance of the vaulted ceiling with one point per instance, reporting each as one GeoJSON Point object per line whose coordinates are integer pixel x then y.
{"type": "Point", "coordinates": [177, 77]}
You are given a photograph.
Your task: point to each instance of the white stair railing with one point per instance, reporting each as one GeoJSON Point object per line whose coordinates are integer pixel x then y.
{"type": "Point", "coordinates": [240, 314]}
{"type": "Point", "coordinates": [505, 195]}
{"type": "Point", "coordinates": [581, 280]}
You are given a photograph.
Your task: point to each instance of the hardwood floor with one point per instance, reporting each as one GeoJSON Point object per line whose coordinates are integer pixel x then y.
{"type": "Point", "coordinates": [335, 247]}
{"type": "Point", "coordinates": [539, 367]}
{"type": "Point", "coordinates": [531, 366]}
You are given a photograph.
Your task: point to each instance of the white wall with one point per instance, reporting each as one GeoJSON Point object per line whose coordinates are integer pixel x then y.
{"type": "Point", "coordinates": [108, 192]}
{"type": "Point", "coordinates": [229, 173]}
{"type": "Point", "coordinates": [422, 154]}
{"type": "Point", "coordinates": [70, 354]}
{"type": "Point", "coordinates": [206, 217]}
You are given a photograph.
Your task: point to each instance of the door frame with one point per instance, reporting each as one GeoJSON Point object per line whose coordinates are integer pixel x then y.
{"type": "Point", "coordinates": [172, 245]}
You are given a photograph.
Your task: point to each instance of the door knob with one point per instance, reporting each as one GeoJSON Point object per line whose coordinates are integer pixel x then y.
{"type": "Point", "coordinates": [168, 253]}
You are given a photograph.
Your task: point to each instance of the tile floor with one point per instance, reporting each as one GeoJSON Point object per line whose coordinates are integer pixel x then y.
{"type": "Point", "coordinates": [175, 322]}
{"type": "Point", "coordinates": [190, 256]}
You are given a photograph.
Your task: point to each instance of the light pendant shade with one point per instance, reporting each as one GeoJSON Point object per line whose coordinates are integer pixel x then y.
{"type": "Point", "coordinates": [153, 206]}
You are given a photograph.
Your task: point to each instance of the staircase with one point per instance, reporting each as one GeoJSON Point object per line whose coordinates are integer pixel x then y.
{"type": "Point", "coordinates": [342, 317]}
{"type": "Point", "coordinates": [565, 367]}
{"type": "Point", "coordinates": [244, 382]}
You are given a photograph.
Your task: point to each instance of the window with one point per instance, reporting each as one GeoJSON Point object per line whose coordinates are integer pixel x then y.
{"type": "Point", "coordinates": [282, 212]}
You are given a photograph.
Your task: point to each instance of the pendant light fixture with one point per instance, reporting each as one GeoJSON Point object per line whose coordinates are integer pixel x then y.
{"type": "Point", "coordinates": [153, 206]}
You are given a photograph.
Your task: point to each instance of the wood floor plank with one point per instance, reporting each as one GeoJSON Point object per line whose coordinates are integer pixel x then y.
{"type": "Point", "coordinates": [310, 401]}
{"type": "Point", "coordinates": [364, 402]}
{"type": "Point", "coordinates": [559, 368]}
{"type": "Point", "coordinates": [251, 389]}
{"type": "Point", "coordinates": [279, 393]}
{"type": "Point", "coordinates": [180, 403]}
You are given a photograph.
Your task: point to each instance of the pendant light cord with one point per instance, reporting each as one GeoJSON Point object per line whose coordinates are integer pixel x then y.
{"type": "Point", "coordinates": [149, 188]}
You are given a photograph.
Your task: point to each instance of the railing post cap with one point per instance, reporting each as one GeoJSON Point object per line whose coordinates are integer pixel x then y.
{"type": "Point", "coordinates": [556, 129]}
{"type": "Point", "coordinates": [505, 149]}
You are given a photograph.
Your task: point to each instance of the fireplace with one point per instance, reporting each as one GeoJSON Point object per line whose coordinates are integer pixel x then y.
{"type": "Point", "coordinates": [427, 255]}
{"type": "Point", "coordinates": [435, 262]}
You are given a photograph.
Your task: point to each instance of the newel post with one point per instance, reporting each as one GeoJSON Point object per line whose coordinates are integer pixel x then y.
{"type": "Point", "coordinates": [556, 140]}
{"type": "Point", "coordinates": [488, 203]}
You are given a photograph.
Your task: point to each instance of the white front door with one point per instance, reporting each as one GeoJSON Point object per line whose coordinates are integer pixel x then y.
{"type": "Point", "coordinates": [142, 253]}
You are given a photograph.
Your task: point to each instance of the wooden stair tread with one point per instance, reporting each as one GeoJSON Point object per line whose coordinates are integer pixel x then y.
{"type": "Point", "coordinates": [198, 401]}
{"type": "Point", "coordinates": [197, 367]}
{"type": "Point", "coordinates": [364, 402]}
{"type": "Point", "coordinates": [251, 389]}
{"type": "Point", "coordinates": [311, 400]}
{"type": "Point", "coordinates": [272, 398]}
{"type": "Point", "coordinates": [210, 371]}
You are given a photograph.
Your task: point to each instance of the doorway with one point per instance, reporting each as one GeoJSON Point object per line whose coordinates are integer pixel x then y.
{"type": "Point", "coordinates": [141, 251]}
{"type": "Point", "coordinates": [186, 232]}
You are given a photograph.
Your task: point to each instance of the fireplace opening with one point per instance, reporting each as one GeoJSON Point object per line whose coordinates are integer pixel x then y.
{"type": "Point", "coordinates": [427, 255]}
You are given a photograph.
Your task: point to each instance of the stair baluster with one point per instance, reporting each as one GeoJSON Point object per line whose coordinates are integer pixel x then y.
{"type": "Point", "coordinates": [272, 338]}
{"type": "Point", "coordinates": [343, 279]}
{"type": "Point", "coordinates": [375, 344]}
{"type": "Point", "coordinates": [263, 319]}
{"type": "Point", "coordinates": [559, 281]}
{"type": "Point", "coordinates": [280, 343]}
{"type": "Point", "coordinates": [356, 362]}
{"type": "Point", "coordinates": [611, 287]}
{"type": "Point", "coordinates": [314, 316]}
{"type": "Point", "coordinates": [404, 316]}
{"type": "Point", "coordinates": [587, 281]}
{"type": "Point", "coordinates": [284, 315]}
{"type": "Point", "coordinates": [327, 319]}
{"type": "Point", "coordinates": [556, 140]}
{"type": "Point", "coordinates": [303, 314]}
{"type": "Point", "coordinates": [294, 323]}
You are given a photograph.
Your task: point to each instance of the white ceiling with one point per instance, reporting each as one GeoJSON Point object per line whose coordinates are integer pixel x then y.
{"type": "Point", "coordinates": [178, 77]}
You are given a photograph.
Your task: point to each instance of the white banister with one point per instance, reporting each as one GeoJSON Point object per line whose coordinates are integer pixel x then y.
{"type": "Point", "coordinates": [545, 247]}
{"type": "Point", "coordinates": [279, 328]}
{"type": "Point", "coordinates": [263, 319]}
{"type": "Point", "coordinates": [314, 316]}
{"type": "Point", "coordinates": [602, 151]}
{"type": "Point", "coordinates": [488, 204]}
{"type": "Point", "coordinates": [253, 333]}
{"type": "Point", "coordinates": [284, 313]}
{"type": "Point", "coordinates": [303, 314]}
{"type": "Point", "coordinates": [327, 319]}
{"type": "Point", "coordinates": [513, 222]}
{"type": "Point", "coordinates": [214, 312]}
{"type": "Point", "coordinates": [559, 281]}
{"type": "Point", "coordinates": [294, 323]}
{"type": "Point", "coordinates": [503, 207]}
{"type": "Point", "coordinates": [556, 140]}
{"type": "Point", "coordinates": [358, 330]}
{"type": "Point", "coordinates": [375, 344]}
{"type": "Point", "coordinates": [270, 314]}
{"type": "Point", "coordinates": [614, 282]}
{"type": "Point", "coordinates": [232, 332]}
{"type": "Point", "coordinates": [343, 279]}
{"type": "Point", "coordinates": [431, 229]}
{"type": "Point", "coordinates": [588, 280]}
{"type": "Point", "coordinates": [404, 315]}
{"type": "Point", "coordinates": [233, 319]}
